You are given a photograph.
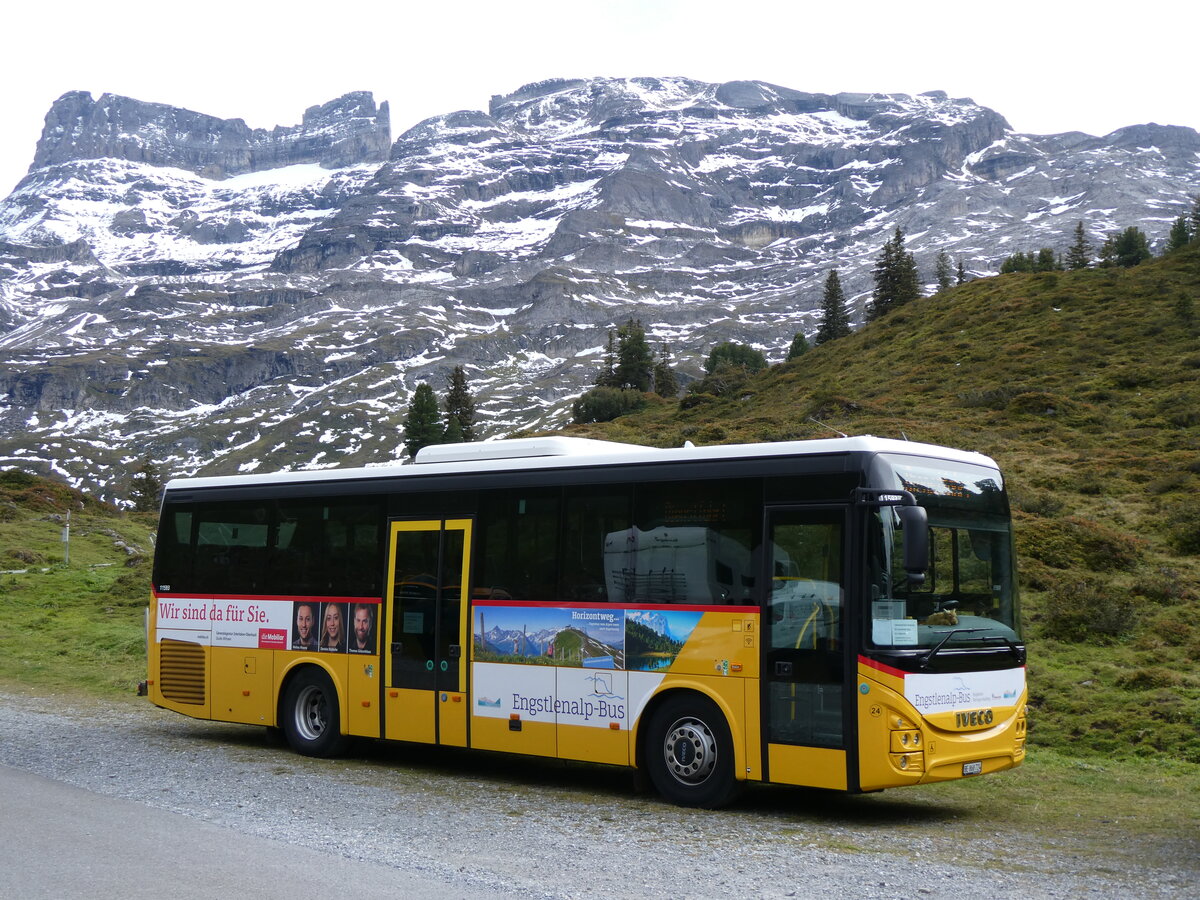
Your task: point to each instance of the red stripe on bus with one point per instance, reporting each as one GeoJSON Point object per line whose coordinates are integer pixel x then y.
{"type": "Point", "coordinates": [666, 607]}
{"type": "Point", "coordinates": [303, 598]}
{"type": "Point", "coordinates": [887, 670]}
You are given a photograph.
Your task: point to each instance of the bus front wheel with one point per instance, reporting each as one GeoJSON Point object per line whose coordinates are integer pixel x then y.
{"type": "Point", "coordinates": [689, 753]}
{"type": "Point", "coordinates": [311, 717]}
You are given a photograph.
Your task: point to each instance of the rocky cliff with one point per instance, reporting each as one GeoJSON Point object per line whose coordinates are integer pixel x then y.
{"type": "Point", "coordinates": [225, 298]}
{"type": "Point", "coordinates": [344, 132]}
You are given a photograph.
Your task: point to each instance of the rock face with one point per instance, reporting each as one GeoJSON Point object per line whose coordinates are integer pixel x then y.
{"type": "Point", "coordinates": [344, 132]}
{"type": "Point", "coordinates": [225, 298]}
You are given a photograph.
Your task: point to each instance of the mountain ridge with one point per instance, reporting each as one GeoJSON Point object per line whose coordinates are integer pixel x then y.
{"type": "Point", "coordinates": [282, 317]}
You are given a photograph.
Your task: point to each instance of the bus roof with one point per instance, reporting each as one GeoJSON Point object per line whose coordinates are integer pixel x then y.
{"type": "Point", "coordinates": [554, 452]}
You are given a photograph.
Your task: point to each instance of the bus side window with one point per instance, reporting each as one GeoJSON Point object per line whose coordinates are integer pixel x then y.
{"type": "Point", "coordinates": [519, 532]}
{"type": "Point", "coordinates": [590, 516]}
{"type": "Point", "coordinates": [231, 547]}
{"type": "Point", "coordinates": [692, 543]}
{"type": "Point", "coordinates": [174, 553]}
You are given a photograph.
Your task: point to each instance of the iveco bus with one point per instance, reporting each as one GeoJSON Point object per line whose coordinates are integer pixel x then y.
{"type": "Point", "coordinates": [834, 613]}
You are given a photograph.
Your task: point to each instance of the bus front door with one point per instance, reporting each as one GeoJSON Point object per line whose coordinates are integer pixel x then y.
{"type": "Point", "coordinates": [803, 670]}
{"type": "Point", "coordinates": [428, 565]}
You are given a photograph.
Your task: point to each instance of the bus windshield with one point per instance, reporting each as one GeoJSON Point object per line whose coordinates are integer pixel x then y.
{"type": "Point", "coordinates": [968, 597]}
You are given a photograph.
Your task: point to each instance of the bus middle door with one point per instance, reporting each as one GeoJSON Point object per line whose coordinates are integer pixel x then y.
{"type": "Point", "coordinates": [428, 565]}
{"type": "Point", "coordinates": [803, 681]}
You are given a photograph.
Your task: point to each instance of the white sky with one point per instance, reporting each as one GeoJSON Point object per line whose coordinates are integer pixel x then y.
{"type": "Point", "coordinates": [1047, 67]}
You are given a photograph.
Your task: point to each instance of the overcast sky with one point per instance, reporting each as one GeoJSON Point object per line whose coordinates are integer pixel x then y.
{"type": "Point", "coordinates": [1046, 66]}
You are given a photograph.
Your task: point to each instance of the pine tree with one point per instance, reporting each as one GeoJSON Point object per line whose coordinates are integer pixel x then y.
{"type": "Point", "coordinates": [1195, 217]}
{"type": "Point", "coordinates": [896, 278]}
{"type": "Point", "coordinates": [1180, 236]}
{"type": "Point", "coordinates": [423, 423]}
{"type": "Point", "coordinates": [145, 486]}
{"type": "Point", "coordinates": [635, 361]}
{"type": "Point", "coordinates": [835, 321]}
{"type": "Point", "coordinates": [665, 382]}
{"type": "Point", "coordinates": [799, 346]}
{"type": "Point", "coordinates": [960, 276]}
{"type": "Point", "coordinates": [1079, 256]}
{"type": "Point", "coordinates": [943, 271]}
{"type": "Point", "coordinates": [460, 407]}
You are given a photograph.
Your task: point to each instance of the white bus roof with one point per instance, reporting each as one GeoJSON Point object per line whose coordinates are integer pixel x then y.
{"type": "Point", "coordinates": [566, 452]}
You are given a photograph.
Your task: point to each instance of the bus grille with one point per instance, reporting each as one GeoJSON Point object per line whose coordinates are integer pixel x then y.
{"type": "Point", "coordinates": [181, 671]}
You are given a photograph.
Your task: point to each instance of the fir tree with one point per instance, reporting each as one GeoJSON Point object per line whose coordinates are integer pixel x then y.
{"type": "Point", "coordinates": [896, 278]}
{"type": "Point", "coordinates": [665, 382]}
{"type": "Point", "coordinates": [607, 376]}
{"type": "Point", "coordinates": [145, 486]}
{"type": "Point", "coordinates": [1180, 236]}
{"type": "Point", "coordinates": [635, 361]}
{"type": "Point", "coordinates": [1079, 255]}
{"type": "Point", "coordinates": [1125, 249]}
{"type": "Point", "coordinates": [1018, 262]}
{"type": "Point", "coordinates": [835, 322]}
{"type": "Point", "coordinates": [1046, 261]}
{"type": "Point", "coordinates": [799, 346]}
{"type": "Point", "coordinates": [944, 271]}
{"type": "Point", "coordinates": [423, 423]}
{"type": "Point", "coordinates": [960, 275]}
{"type": "Point", "coordinates": [460, 407]}
{"type": "Point", "coordinates": [1195, 217]}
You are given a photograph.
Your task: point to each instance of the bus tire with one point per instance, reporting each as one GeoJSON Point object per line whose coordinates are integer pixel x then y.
{"type": "Point", "coordinates": [311, 717]}
{"type": "Point", "coordinates": [689, 753]}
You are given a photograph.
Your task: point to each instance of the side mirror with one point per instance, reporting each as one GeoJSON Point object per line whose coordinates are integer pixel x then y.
{"type": "Point", "coordinates": [915, 522]}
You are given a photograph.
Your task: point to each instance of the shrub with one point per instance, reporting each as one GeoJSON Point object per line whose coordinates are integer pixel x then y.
{"type": "Point", "coordinates": [1073, 543]}
{"type": "Point", "coordinates": [1038, 503]}
{"type": "Point", "coordinates": [1148, 679]}
{"type": "Point", "coordinates": [1163, 586]}
{"type": "Point", "coordinates": [1087, 609]}
{"type": "Point", "coordinates": [603, 404]}
{"type": "Point", "coordinates": [738, 355]}
{"type": "Point", "coordinates": [1183, 528]}
{"type": "Point", "coordinates": [725, 378]}
{"type": "Point", "coordinates": [19, 556]}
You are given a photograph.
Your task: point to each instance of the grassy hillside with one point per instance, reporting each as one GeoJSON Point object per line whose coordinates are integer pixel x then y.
{"type": "Point", "coordinates": [1085, 386]}
{"type": "Point", "coordinates": [80, 624]}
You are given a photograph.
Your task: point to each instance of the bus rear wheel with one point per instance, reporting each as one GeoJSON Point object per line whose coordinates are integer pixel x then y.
{"type": "Point", "coordinates": [311, 716]}
{"type": "Point", "coordinates": [689, 753]}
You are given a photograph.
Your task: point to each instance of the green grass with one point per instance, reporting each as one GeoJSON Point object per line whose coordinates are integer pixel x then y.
{"type": "Point", "coordinates": [79, 625]}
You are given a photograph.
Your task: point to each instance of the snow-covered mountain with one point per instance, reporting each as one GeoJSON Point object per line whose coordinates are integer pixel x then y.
{"type": "Point", "coordinates": [226, 299]}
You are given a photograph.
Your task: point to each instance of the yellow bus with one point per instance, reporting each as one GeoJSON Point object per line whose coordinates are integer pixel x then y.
{"type": "Point", "coordinates": [838, 614]}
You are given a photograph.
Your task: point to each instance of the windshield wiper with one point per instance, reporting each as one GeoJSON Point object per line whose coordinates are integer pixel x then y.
{"type": "Point", "coordinates": [928, 657]}
{"type": "Point", "coordinates": [1017, 650]}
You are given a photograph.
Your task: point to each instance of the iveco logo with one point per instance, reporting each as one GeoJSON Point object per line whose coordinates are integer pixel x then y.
{"type": "Point", "coordinates": [973, 719]}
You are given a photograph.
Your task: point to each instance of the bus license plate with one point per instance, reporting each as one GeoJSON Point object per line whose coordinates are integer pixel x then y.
{"type": "Point", "coordinates": [973, 768]}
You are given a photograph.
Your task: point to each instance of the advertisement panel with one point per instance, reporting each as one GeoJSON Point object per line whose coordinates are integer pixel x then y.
{"type": "Point", "coordinates": [330, 625]}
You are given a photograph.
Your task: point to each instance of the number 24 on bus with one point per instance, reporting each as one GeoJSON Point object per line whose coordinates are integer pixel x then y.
{"type": "Point", "coordinates": [839, 614]}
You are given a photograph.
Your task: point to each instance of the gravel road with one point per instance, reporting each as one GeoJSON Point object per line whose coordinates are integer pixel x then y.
{"type": "Point", "coordinates": [480, 823]}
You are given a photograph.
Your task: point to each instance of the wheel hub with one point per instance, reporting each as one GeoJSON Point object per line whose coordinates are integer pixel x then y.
{"type": "Point", "coordinates": [690, 751]}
